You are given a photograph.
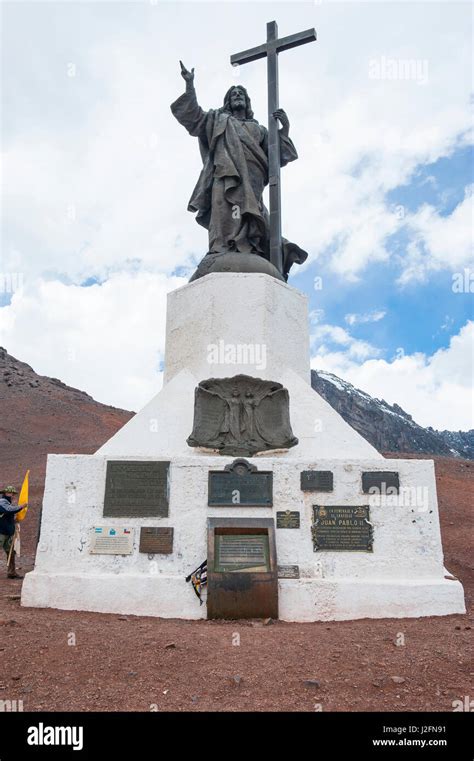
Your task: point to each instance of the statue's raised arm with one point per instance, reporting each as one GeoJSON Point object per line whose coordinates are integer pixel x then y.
{"type": "Point", "coordinates": [187, 110]}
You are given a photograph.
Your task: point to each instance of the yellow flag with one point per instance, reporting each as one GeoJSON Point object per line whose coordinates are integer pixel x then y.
{"type": "Point", "coordinates": [23, 498]}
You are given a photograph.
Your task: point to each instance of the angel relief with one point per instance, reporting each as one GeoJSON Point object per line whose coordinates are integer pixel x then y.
{"type": "Point", "coordinates": [241, 416]}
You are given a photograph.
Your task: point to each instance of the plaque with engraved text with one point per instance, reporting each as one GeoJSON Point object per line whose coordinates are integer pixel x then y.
{"type": "Point", "coordinates": [288, 519]}
{"type": "Point", "coordinates": [317, 480]}
{"type": "Point", "coordinates": [288, 571]}
{"type": "Point", "coordinates": [156, 540]}
{"type": "Point", "coordinates": [240, 484]}
{"type": "Point", "coordinates": [380, 482]}
{"type": "Point", "coordinates": [136, 489]}
{"type": "Point", "coordinates": [342, 528]}
{"type": "Point", "coordinates": [111, 540]}
{"type": "Point", "coordinates": [242, 553]}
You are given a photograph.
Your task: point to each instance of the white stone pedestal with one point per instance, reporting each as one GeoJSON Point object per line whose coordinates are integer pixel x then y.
{"type": "Point", "coordinates": [403, 576]}
{"type": "Point", "coordinates": [260, 320]}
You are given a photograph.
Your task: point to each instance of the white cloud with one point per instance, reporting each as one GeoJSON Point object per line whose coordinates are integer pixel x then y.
{"type": "Point", "coordinates": [115, 198]}
{"type": "Point", "coordinates": [355, 348]}
{"type": "Point", "coordinates": [439, 242]}
{"type": "Point", "coordinates": [107, 339]}
{"type": "Point", "coordinates": [369, 137]}
{"type": "Point", "coordinates": [436, 390]}
{"type": "Point", "coordinates": [355, 319]}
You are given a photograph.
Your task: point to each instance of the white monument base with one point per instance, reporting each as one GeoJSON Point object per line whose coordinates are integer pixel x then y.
{"type": "Point", "coordinates": [403, 576]}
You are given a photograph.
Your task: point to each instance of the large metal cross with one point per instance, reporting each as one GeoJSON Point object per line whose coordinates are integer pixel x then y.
{"type": "Point", "coordinates": [270, 50]}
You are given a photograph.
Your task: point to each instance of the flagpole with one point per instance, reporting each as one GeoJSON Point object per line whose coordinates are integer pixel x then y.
{"type": "Point", "coordinates": [11, 548]}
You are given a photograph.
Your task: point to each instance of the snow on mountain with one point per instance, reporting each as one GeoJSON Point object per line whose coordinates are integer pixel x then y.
{"type": "Point", "coordinates": [388, 427]}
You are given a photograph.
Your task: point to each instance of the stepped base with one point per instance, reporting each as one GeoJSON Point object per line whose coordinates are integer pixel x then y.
{"type": "Point", "coordinates": [302, 600]}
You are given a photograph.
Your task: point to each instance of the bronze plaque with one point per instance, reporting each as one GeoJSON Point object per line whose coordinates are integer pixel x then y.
{"type": "Point", "coordinates": [136, 489]}
{"type": "Point", "coordinates": [288, 571]}
{"type": "Point", "coordinates": [342, 529]}
{"type": "Point", "coordinates": [288, 519]}
{"type": "Point", "coordinates": [242, 553]}
{"type": "Point", "coordinates": [380, 482]}
{"type": "Point", "coordinates": [240, 484]}
{"type": "Point", "coordinates": [317, 480]}
{"type": "Point", "coordinates": [156, 540]}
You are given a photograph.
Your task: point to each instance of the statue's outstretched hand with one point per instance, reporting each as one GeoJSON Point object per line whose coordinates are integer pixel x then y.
{"type": "Point", "coordinates": [188, 76]}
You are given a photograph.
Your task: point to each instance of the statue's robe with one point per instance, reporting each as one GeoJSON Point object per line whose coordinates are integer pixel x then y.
{"type": "Point", "coordinates": [228, 193]}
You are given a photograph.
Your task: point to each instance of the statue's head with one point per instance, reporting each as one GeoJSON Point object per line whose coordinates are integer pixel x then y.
{"type": "Point", "coordinates": [237, 97]}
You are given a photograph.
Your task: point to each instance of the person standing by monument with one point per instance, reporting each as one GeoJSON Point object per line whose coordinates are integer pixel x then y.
{"type": "Point", "coordinates": [7, 528]}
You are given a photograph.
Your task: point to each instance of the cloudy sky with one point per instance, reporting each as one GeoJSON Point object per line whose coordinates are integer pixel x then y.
{"type": "Point", "coordinates": [97, 175]}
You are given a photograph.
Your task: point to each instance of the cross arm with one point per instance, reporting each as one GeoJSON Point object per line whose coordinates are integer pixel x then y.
{"type": "Point", "coordinates": [284, 43]}
{"type": "Point", "coordinates": [293, 40]}
{"type": "Point", "coordinates": [252, 54]}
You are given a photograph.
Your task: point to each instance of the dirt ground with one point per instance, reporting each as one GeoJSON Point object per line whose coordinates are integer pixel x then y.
{"type": "Point", "coordinates": [72, 661]}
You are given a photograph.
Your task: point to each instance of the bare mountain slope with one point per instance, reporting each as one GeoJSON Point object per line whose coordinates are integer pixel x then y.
{"type": "Point", "coordinates": [388, 427]}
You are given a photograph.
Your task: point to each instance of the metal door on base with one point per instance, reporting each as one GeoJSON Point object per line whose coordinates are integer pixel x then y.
{"type": "Point", "coordinates": [242, 578]}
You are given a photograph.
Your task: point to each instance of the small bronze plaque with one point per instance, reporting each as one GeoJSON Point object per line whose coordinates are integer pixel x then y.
{"type": "Point", "coordinates": [156, 541]}
{"type": "Point", "coordinates": [240, 484]}
{"type": "Point", "coordinates": [342, 528]}
{"type": "Point", "coordinates": [136, 489]}
{"type": "Point", "coordinates": [288, 571]}
{"type": "Point", "coordinates": [317, 480]}
{"type": "Point", "coordinates": [288, 519]}
{"type": "Point", "coordinates": [380, 482]}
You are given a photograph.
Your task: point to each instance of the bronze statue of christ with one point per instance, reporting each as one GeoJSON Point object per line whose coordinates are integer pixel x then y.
{"type": "Point", "coordinates": [228, 195]}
